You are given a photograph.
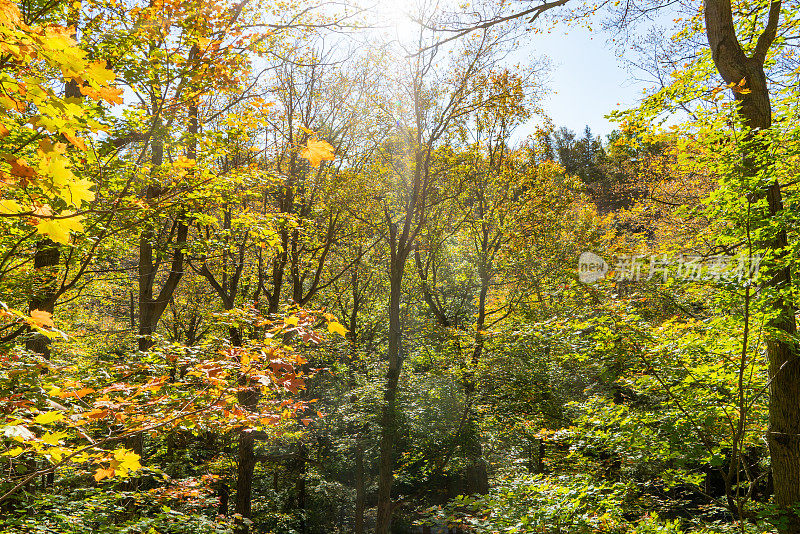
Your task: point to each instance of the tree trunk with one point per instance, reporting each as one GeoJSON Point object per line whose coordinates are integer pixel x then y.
{"type": "Point", "coordinates": [47, 255]}
{"type": "Point", "coordinates": [45, 264]}
{"type": "Point", "coordinates": [244, 479]}
{"type": "Point", "coordinates": [301, 487]}
{"type": "Point", "coordinates": [389, 412]}
{"type": "Point", "coordinates": [755, 108]}
{"type": "Point", "coordinates": [224, 494]}
{"type": "Point", "coordinates": [152, 307]}
{"type": "Point", "coordinates": [360, 493]}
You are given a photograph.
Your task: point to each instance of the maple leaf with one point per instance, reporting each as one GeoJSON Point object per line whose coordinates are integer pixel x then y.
{"type": "Point", "coordinates": [41, 318]}
{"type": "Point", "coordinates": [48, 417]}
{"type": "Point", "coordinates": [182, 162]}
{"type": "Point", "coordinates": [20, 168]}
{"type": "Point", "coordinates": [77, 192]}
{"type": "Point", "coordinates": [98, 72]}
{"type": "Point", "coordinates": [57, 38]}
{"type": "Point", "coordinates": [72, 138]}
{"type": "Point", "coordinates": [112, 95]}
{"type": "Point", "coordinates": [9, 14]}
{"type": "Point", "coordinates": [337, 328]}
{"type": "Point", "coordinates": [52, 438]}
{"type": "Point", "coordinates": [317, 151]}
{"type": "Point", "coordinates": [126, 460]}
{"type": "Point", "coordinates": [102, 473]}
{"type": "Point", "coordinates": [58, 229]}
{"type": "Point", "coordinates": [11, 206]}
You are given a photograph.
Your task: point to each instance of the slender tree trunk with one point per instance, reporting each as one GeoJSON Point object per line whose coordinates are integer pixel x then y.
{"type": "Point", "coordinates": [389, 411]}
{"type": "Point", "coordinates": [224, 494]}
{"type": "Point", "coordinates": [47, 255]}
{"type": "Point", "coordinates": [360, 490]}
{"type": "Point", "coordinates": [301, 487]}
{"type": "Point", "coordinates": [478, 476]}
{"type": "Point", "coordinates": [152, 307]}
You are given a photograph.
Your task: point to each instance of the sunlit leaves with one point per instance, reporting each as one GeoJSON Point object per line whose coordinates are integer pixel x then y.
{"type": "Point", "coordinates": [36, 168]}
{"type": "Point", "coordinates": [337, 328]}
{"type": "Point", "coordinates": [48, 417]}
{"type": "Point", "coordinates": [317, 151]}
{"type": "Point", "coordinates": [59, 229]}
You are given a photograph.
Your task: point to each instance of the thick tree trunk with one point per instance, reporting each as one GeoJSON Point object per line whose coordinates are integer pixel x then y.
{"type": "Point", "coordinates": [244, 479]}
{"type": "Point", "coordinates": [45, 264]}
{"type": "Point", "coordinates": [247, 462]}
{"type": "Point", "coordinates": [755, 108]}
{"type": "Point", "coordinates": [152, 307]}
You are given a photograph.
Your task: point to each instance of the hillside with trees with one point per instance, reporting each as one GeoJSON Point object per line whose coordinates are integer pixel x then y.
{"type": "Point", "coordinates": [266, 269]}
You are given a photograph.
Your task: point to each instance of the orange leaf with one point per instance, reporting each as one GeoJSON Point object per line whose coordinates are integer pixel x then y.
{"type": "Point", "coordinates": [317, 151]}
{"type": "Point", "coordinates": [102, 473]}
{"type": "Point", "coordinates": [41, 318]}
{"type": "Point", "coordinates": [77, 141]}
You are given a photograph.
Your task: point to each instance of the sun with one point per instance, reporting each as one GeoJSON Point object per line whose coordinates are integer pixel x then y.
{"type": "Point", "coordinates": [399, 19]}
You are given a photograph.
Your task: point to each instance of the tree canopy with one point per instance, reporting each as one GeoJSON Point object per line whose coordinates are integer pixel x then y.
{"type": "Point", "coordinates": [265, 270]}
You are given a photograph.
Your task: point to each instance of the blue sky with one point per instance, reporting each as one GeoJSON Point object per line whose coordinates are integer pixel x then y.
{"type": "Point", "coordinates": [587, 80]}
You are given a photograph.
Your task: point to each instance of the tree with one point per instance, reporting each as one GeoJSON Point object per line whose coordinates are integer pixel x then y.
{"type": "Point", "coordinates": [745, 74]}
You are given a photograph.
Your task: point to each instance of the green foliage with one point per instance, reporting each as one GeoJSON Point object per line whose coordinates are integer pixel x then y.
{"type": "Point", "coordinates": [552, 504]}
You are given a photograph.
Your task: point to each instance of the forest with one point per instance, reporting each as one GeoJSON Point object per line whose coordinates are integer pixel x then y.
{"type": "Point", "coordinates": [330, 266]}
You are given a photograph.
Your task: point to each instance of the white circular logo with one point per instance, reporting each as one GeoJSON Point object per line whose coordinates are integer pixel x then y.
{"type": "Point", "coordinates": [591, 268]}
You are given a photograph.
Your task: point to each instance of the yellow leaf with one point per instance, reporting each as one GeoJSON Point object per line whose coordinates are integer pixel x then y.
{"type": "Point", "coordinates": [10, 206]}
{"type": "Point", "coordinates": [58, 37]}
{"type": "Point", "coordinates": [49, 417]}
{"type": "Point", "coordinates": [77, 192]}
{"type": "Point", "coordinates": [41, 318]}
{"type": "Point", "coordinates": [9, 14]}
{"type": "Point", "coordinates": [56, 167]}
{"type": "Point", "coordinates": [58, 229]}
{"type": "Point", "coordinates": [98, 72]}
{"type": "Point", "coordinates": [127, 460]}
{"type": "Point", "coordinates": [317, 151]}
{"type": "Point", "coordinates": [102, 473]}
{"type": "Point", "coordinates": [337, 328]}
{"type": "Point", "coordinates": [182, 162]}
{"type": "Point", "coordinates": [290, 321]}
{"type": "Point", "coordinates": [52, 438]}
